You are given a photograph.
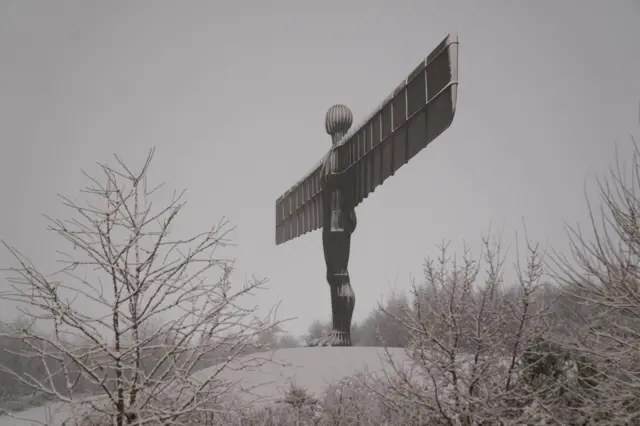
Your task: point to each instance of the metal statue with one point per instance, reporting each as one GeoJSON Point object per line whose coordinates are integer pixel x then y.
{"type": "Point", "coordinates": [414, 114]}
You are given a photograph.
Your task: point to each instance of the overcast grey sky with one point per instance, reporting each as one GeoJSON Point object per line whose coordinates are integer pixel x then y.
{"type": "Point", "coordinates": [233, 96]}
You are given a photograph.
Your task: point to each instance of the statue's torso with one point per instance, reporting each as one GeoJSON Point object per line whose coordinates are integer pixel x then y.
{"type": "Point", "coordinates": [337, 199]}
{"type": "Point", "coordinates": [338, 212]}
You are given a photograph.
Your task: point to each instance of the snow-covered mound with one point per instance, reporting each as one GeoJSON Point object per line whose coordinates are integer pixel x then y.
{"type": "Point", "coordinates": [264, 377]}
{"type": "Point", "coordinates": [270, 374]}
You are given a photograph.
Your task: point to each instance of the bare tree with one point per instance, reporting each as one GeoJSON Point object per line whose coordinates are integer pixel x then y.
{"type": "Point", "coordinates": [276, 338]}
{"type": "Point", "coordinates": [134, 310]}
{"type": "Point", "coordinates": [380, 327]}
{"type": "Point", "coordinates": [601, 276]}
{"type": "Point", "coordinates": [14, 395]}
{"type": "Point", "coordinates": [469, 338]}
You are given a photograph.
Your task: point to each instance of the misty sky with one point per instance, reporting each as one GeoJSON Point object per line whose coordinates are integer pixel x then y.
{"type": "Point", "coordinates": [233, 96]}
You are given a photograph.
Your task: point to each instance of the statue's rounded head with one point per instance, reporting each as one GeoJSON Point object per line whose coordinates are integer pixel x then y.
{"type": "Point", "coordinates": [338, 121]}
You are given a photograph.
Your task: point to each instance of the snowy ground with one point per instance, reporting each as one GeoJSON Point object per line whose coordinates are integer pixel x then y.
{"type": "Point", "coordinates": [53, 413]}
{"type": "Point", "coordinates": [309, 368]}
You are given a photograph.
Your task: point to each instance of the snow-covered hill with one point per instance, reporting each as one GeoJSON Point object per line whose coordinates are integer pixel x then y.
{"type": "Point", "coordinates": [264, 376]}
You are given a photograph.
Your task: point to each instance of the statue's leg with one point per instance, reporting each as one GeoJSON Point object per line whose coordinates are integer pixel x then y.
{"type": "Point", "coordinates": [343, 299]}
{"type": "Point", "coordinates": [336, 252]}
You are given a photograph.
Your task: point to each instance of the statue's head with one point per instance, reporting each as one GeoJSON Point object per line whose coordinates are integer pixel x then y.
{"type": "Point", "coordinates": [338, 121]}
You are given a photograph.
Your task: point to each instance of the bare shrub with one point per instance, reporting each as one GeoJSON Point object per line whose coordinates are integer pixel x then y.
{"type": "Point", "coordinates": [134, 312]}
{"type": "Point", "coordinates": [363, 400]}
{"type": "Point", "coordinates": [468, 339]}
{"type": "Point", "coordinates": [381, 328]}
{"type": "Point", "coordinates": [601, 277]}
{"type": "Point", "coordinates": [15, 395]}
{"type": "Point", "coordinates": [350, 402]}
{"type": "Point", "coordinates": [276, 338]}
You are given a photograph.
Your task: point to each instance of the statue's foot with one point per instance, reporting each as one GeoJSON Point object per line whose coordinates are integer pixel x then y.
{"type": "Point", "coordinates": [335, 338]}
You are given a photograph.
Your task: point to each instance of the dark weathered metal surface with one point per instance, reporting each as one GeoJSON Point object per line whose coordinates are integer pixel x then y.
{"type": "Point", "coordinates": [414, 114]}
{"type": "Point", "coordinates": [338, 225]}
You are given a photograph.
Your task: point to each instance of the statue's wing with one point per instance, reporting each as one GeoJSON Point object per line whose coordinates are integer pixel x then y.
{"type": "Point", "coordinates": [413, 115]}
{"type": "Point", "coordinates": [419, 110]}
{"type": "Point", "coordinates": [299, 210]}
